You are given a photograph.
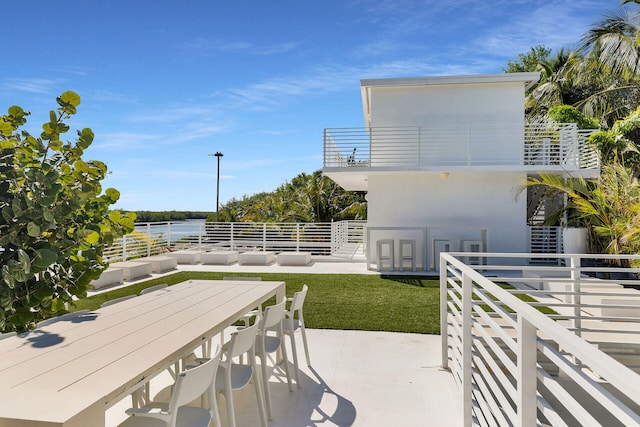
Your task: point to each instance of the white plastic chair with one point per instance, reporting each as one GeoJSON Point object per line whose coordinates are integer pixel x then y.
{"type": "Point", "coordinates": [265, 344]}
{"type": "Point", "coordinates": [153, 288]}
{"type": "Point", "coordinates": [232, 376]}
{"type": "Point", "coordinates": [190, 384]}
{"type": "Point", "coordinates": [67, 316]}
{"type": "Point", "coordinates": [116, 300]}
{"type": "Point", "coordinates": [7, 335]}
{"type": "Point", "coordinates": [291, 325]}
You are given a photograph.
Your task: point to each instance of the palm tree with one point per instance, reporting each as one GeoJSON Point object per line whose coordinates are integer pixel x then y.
{"type": "Point", "coordinates": [556, 85]}
{"type": "Point", "coordinates": [611, 49]}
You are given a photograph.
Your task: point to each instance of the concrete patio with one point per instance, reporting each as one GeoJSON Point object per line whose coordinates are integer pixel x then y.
{"type": "Point", "coordinates": [357, 379]}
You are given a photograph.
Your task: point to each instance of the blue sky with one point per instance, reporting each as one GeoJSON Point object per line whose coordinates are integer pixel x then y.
{"type": "Point", "coordinates": [166, 83]}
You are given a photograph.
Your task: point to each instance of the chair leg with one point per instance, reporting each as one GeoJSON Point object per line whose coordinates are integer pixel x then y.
{"type": "Point", "coordinates": [259, 395]}
{"type": "Point", "coordinates": [304, 341]}
{"type": "Point", "coordinates": [228, 397]}
{"type": "Point", "coordinates": [265, 381]}
{"type": "Point", "coordinates": [295, 358]}
{"type": "Point", "coordinates": [213, 406]}
{"type": "Point", "coordinates": [283, 349]}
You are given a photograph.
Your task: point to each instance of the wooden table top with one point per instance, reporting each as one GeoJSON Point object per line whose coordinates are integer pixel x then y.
{"type": "Point", "coordinates": [69, 372]}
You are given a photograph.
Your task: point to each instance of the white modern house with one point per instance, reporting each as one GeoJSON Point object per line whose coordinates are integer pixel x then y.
{"type": "Point", "coordinates": [441, 159]}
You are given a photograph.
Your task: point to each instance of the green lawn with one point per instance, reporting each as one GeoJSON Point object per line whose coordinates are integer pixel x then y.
{"type": "Point", "coordinates": [336, 301]}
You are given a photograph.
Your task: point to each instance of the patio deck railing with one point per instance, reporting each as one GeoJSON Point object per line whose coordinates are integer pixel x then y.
{"type": "Point", "coordinates": [160, 237]}
{"type": "Point", "coordinates": [519, 363]}
{"type": "Point", "coordinates": [562, 146]}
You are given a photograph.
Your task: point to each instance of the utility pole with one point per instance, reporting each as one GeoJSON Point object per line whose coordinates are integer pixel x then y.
{"type": "Point", "coordinates": [218, 155]}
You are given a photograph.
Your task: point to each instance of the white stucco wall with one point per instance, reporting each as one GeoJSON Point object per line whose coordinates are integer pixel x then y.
{"type": "Point", "coordinates": [457, 208]}
{"type": "Point", "coordinates": [460, 124]}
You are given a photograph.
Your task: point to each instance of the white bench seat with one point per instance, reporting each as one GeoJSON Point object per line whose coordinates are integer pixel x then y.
{"type": "Point", "coordinates": [294, 258]}
{"type": "Point", "coordinates": [133, 269]}
{"type": "Point", "coordinates": [160, 263]}
{"type": "Point", "coordinates": [110, 276]}
{"type": "Point", "coordinates": [186, 256]}
{"type": "Point", "coordinates": [219, 257]}
{"type": "Point", "coordinates": [256, 258]}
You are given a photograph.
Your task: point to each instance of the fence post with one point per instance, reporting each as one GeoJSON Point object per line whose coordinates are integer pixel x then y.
{"type": "Point", "coordinates": [443, 314]}
{"type": "Point", "coordinates": [148, 239]}
{"type": "Point", "coordinates": [124, 248]}
{"type": "Point", "coordinates": [574, 263]}
{"type": "Point", "coordinates": [231, 231]}
{"type": "Point", "coordinates": [297, 237]}
{"type": "Point", "coordinates": [169, 235]}
{"type": "Point", "coordinates": [264, 236]}
{"type": "Point", "coordinates": [526, 373]}
{"type": "Point", "coordinates": [467, 350]}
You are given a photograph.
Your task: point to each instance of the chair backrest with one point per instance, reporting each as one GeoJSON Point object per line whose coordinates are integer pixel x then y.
{"type": "Point", "coordinates": [272, 315]}
{"type": "Point", "coordinates": [116, 300]}
{"type": "Point", "coordinates": [242, 341]}
{"type": "Point", "coordinates": [7, 335]}
{"type": "Point", "coordinates": [153, 288]}
{"type": "Point", "coordinates": [67, 316]}
{"type": "Point", "coordinates": [193, 383]}
{"type": "Point", "coordinates": [298, 299]}
{"type": "Point", "coordinates": [249, 279]}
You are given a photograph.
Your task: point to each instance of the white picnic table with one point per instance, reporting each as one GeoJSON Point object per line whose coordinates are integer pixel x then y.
{"type": "Point", "coordinates": [69, 372]}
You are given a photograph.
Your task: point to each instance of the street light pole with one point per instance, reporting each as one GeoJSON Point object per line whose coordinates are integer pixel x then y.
{"type": "Point", "coordinates": [218, 155]}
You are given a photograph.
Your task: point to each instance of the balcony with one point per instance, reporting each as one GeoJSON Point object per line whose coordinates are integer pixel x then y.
{"type": "Point", "coordinates": [539, 147]}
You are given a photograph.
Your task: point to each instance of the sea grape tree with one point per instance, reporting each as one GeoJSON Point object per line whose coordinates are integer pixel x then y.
{"type": "Point", "coordinates": [55, 220]}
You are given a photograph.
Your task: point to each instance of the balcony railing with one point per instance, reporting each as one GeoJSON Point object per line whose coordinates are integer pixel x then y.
{"type": "Point", "coordinates": [566, 353]}
{"type": "Point", "coordinates": [465, 146]}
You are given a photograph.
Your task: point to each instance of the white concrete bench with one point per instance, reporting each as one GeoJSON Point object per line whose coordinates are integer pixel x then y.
{"type": "Point", "coordinates": [186, 256]}
{"type": "Point", "coordinates": [256, 258]}
{"type": "Point", "coordinates": [110, 276]}
{"type": "Point", "coordinates": [632, 310]}
{"type": "Point", "coordinates": [219, 257]}
{"type": "Point", "coordinates": [591, 286]}
{"type": "Point", "coordinates": [294, 258]}
{"type": "Point", "coordinates": [160, 263]}
{"type": "Point", "coordinates": [133, 269]}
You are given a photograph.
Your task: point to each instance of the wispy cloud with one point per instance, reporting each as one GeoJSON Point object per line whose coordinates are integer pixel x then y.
{"type": "Point", "coordinates": [218, 45]}
{"type": "Point", "coordinates": [108, 96]}
{"type": "Point", "coordinates": [35, 85]}
{"type": "Point", "coordinates": [123, 140]}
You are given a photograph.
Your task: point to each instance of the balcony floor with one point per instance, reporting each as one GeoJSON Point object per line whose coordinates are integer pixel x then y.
{"type": "Point", "coordinates": [357, 379]}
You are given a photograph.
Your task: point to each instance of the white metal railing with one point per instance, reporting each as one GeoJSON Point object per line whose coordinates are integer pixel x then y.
{"type": "Point", "coordinates": [547, 357]}
{"type": "Point", "coordinates": [424, 147]}
{"type": "Point", "coordinates": [160, 237]}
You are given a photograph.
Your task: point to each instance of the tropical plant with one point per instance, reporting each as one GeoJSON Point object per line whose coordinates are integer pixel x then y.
{"type": "Point", "coordinates": [610, 207]}
{"type": "Point", "coordinates": [55, 220]}
{"type": "Point", "coordinates": [618, 144]}
{"type": "Point", "coordinates": [307, 198]}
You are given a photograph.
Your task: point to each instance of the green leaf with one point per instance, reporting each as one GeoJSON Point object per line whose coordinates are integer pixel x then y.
{"type": "Point", "coordinates": [5, 128]}
{"type": "Point", "coordinates": [44, 258]}
{"type": "Point", "coordinates": [22, 316]}
{"type": "Point", "coordinates": [33, 230]}
{"type": "Point", "coordinates": [71, 98]}
{"type": "Point", "coordinates": [25, 261]}
{"type": "Point", "coordinates": [8, 277]}
{"type": "Point", "coordinates": [16, 111]}
{"type": "Point", "coordinates": [57, 304]}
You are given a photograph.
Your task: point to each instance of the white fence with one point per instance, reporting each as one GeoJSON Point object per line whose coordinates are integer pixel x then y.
{"type": "Point", "coordinates": [160, 237]}
{"type": "Point", "coordinates": [576, 365]}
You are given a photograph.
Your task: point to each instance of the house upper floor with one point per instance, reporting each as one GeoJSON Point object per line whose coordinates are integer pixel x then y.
{"type": "Point", "coordinates": [444, 124]}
